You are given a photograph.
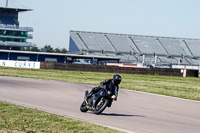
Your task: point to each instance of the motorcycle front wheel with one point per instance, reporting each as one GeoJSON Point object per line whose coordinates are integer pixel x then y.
{"type": "Point", "coordinates": [83, 107]}
{"type": "Point", "coordinates": [101, 105]}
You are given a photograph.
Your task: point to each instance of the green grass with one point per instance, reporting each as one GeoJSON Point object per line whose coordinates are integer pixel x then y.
{"type": "Point", "coordinates": [14, 118]}
{"type": "Point", "coordinates": [188, 88]}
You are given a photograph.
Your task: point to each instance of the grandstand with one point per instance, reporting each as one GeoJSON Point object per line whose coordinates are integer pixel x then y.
{"type": "Point", "coordinates": [137, 48]}
{"type": "Point", "coordinates": [12, 36]}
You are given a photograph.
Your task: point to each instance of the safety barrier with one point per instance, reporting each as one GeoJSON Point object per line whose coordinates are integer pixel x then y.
{"type": "Point", "coordinates": [116, 69]}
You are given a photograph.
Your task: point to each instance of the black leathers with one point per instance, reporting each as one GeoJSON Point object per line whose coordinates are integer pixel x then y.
{"type": "Point", "coordinates": [108, 85]}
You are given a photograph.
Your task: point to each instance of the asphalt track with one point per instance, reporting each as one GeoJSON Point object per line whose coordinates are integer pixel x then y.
{"type": "Point", "coordinates": [133, 112]}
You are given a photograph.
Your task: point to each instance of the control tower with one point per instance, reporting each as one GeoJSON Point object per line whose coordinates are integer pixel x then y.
{"type": "Point", "coordinates": [12, 36]}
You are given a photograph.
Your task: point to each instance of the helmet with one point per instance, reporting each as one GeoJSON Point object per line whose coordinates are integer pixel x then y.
{"type": "Point", "coordinates": [117, 79]}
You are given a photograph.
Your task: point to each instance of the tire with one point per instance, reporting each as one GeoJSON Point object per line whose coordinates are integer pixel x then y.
{"type": "Point", "coordinates": [100, 108]}
{"type": "Point", "coordinates": [83, 107]}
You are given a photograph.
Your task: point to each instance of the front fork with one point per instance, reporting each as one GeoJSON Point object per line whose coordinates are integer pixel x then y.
{"type": "Point", "coordinates": [110, 103]}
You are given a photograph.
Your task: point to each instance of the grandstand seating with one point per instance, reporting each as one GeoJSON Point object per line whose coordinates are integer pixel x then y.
{"type": "Point", "coordinates": [90, 42]}
{"type": "Point", "coordinates": [128, 58]}
{"type": "Point", "coordinates": [118, 44]}
{"type": "Point", "coordinates": [142, 45]}
{"type": "Point", "coordinates": [104, 43]}
{"type": "Point", "coordinates": [184, 47]}
{"type": "Point", "coordinates": [149, 60]}
{"type": "Point", "coordinates": [78, 41]}
{"type": "Point", "coordinates": [176, 44]}
{"type": "Point", "coordinates": [168, 46]}
{"type": "Point", "coordinates": [165, 60]}
{"type": "Point", "coordinates": [128, 43]}
{"type": "Point", "coordinates": [155, 46]}
{"type": "Point", "coordinates": [131, 48]}
{"type": "Point", "coordinates": [194, 47]}
{"type": "Point", "coordinates": [194, 61]}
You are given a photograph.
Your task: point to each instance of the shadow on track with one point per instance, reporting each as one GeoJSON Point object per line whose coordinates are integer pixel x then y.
{"type": "Point", "coordinates": [113, 114]}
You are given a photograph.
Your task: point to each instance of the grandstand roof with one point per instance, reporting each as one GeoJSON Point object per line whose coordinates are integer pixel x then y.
{"type": "Point", "coordinates": [13, 9]}
{"type": "Point", "coordinates": [60, 54]}
{"type": "Point", "coordinates": [118, 34]}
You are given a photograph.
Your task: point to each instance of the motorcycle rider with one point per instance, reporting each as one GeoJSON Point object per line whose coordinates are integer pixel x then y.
{"type": "Point", "coordinates": [111, 85]}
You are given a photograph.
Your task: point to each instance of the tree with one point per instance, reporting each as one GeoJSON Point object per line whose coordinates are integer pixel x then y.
{"type": "Point", "coordinates": [57, 50]}
{"type": "Point", "coordinates": [64, 50]}
{"type": "Point", "coordinates": [35, 49]}
{"type": "Point", "coordinates": [49, 48]}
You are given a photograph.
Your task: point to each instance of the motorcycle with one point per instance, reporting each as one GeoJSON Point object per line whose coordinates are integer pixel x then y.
{"type": "Point", "coordinates": [97, 102]}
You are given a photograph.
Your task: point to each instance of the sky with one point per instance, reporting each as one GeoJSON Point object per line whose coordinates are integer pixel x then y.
{"type": "Point", "coordinates": [53, 19]}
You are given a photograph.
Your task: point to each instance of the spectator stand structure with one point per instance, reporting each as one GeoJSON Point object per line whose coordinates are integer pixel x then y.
{"type": "Point", "coordinates": [12, 36]}
{"type": "Point", "coordinates": [148, 50]}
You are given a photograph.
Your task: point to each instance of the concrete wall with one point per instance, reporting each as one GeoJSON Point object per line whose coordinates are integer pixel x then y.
{"type": "Point", "coordinates": [116, 69]}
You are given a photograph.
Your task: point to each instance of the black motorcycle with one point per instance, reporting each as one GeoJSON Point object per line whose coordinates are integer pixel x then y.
{"type": "Point", "coordinates": [97, 102]}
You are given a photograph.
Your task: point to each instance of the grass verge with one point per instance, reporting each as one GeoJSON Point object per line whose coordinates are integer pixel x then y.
{"type": "Point", "coordinates": [17, 119]}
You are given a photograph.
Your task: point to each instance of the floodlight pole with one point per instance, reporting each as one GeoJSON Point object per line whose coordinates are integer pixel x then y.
{"type": "Point", "coordinates": [6, 3]}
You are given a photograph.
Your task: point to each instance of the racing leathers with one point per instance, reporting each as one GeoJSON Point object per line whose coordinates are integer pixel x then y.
{"type": "Point", "coordinates": [107, 84]}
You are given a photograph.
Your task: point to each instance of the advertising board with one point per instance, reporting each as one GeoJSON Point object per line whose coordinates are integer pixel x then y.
{"type": "Point", "coordinates": [20, 64]}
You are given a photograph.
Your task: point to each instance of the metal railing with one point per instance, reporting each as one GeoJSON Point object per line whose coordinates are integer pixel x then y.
{"type": "Point", "coordinates": [29, 36]}
{"type": "Point", "coordinates": [24, 44]}
{"type": "Point", "coordinates": [29, 29]}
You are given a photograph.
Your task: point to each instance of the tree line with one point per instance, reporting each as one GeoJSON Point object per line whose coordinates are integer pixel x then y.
{"type": "Point", "coordinates": [46, 48]}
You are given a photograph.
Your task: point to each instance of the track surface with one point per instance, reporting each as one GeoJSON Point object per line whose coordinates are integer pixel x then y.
{"type": "Point", "coordinates": [134, 111]}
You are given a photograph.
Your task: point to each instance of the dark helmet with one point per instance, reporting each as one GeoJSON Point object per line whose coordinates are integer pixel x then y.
{"type": "Point", "coordinates": [117, 79]}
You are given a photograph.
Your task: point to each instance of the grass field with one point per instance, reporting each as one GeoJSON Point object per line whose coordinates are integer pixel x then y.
{"type": "Point", "coordinates": [15, 118]}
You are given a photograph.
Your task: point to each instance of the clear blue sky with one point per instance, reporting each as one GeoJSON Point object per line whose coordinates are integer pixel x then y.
{"type": "Point", "coordinates": [53, 19]}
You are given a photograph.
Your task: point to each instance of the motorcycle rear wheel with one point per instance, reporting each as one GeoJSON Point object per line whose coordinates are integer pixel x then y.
{"type": "Point", "coordinates": [101, 105]}
{"type": "Point", "coordinates": [83, 107]}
